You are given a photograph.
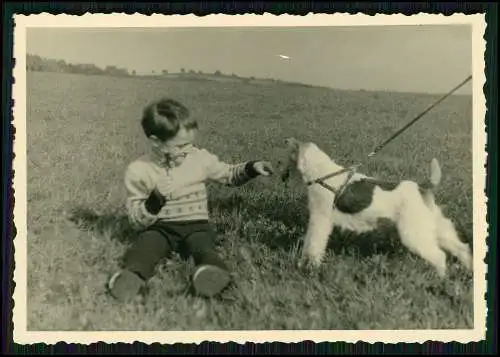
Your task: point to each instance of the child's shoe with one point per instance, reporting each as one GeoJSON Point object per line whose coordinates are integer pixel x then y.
{"type": "Point", "coordinates": [125, 285]}
{"type": "Point", "coordinates": [209, 280]}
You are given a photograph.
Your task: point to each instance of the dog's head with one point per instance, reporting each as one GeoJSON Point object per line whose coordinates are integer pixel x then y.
{"type": "Point", "coordinates": [294, 157]}
{"type": "Point", "coordinates": [287, 160]}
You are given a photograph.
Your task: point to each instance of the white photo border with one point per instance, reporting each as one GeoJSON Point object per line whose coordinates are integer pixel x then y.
{"type": "Point", "coordinates": [22, 22]}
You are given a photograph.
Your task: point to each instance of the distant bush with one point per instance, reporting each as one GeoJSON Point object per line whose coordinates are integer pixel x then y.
{"type": "Point", "coordinates": [37, 63]}
{"type": "Point", "coordinates": [115, 71]}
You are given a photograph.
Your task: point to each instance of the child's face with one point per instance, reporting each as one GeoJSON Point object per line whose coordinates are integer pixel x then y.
{"type": "Point", "coordinates": [177, 145]}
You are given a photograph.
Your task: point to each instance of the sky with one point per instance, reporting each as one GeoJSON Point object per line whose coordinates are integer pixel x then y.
{"type": "Point", "coordinates": [429, 59]}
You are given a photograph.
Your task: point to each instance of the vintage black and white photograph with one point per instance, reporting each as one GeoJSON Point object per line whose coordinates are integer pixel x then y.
{"type": "Point", "coordinates": [180, 177]}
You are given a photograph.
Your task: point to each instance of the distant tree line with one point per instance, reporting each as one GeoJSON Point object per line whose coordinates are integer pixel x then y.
{"type": "Point", "coordinates": [40, 64]}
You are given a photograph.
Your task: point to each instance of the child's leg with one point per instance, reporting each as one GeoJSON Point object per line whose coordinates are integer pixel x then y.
{"type": "Point", "coordinates": [211, 275]}
{"type": "Point", "coordinates": [139, 264]}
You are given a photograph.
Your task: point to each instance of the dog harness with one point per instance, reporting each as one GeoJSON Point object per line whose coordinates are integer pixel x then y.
{"type": "Point", "coordinates": [338, 192]}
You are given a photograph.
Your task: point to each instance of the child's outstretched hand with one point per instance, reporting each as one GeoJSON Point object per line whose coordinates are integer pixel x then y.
{"type": "Point", "coordinates": [264, 168]}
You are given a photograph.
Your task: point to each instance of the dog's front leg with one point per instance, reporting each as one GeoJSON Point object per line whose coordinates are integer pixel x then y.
{"type": "Point", "coordinates": [316, 239]}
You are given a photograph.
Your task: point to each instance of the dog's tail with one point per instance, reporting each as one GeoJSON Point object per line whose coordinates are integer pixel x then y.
{"type": "Point", "coordinates": [427, 189]}
{"type": "Point", "coordinates": [435, 173]}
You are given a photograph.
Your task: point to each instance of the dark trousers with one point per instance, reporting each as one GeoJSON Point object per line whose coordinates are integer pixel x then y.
{"type": "Point", "coordinates": [190, 238]}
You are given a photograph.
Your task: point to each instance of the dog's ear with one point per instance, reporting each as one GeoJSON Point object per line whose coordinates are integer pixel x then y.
{"type": "Point", "coordinates": [293, 147]}
{"type": "Point", "coordinates": [292, 143]}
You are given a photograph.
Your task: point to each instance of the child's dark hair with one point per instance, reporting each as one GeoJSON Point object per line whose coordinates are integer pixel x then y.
{"type": "Point", "coordinates": [164, 117]}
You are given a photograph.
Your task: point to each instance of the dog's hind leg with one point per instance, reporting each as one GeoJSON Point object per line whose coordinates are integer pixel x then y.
{"type": "Point", "coordinates": [418, 234]}
{"type": "Point", "coordinates": [432, 253]}
{"type": "Point", "coordinates": [448, 239]}
{"type": "Point", "coordinates": [435, 256]}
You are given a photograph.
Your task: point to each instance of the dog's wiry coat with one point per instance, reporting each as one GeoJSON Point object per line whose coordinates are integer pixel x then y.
{"type": "Point", "coordinates": [422, 227]}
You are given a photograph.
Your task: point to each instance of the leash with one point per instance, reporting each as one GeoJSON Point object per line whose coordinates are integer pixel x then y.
{"type": "Point", "coordinates": [396, 134]}
{"type": "Point", "coordinates": [353, 168]}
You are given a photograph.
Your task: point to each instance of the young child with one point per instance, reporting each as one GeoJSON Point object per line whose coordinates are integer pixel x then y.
{"type": "Point", "coordinates": [167, 202]}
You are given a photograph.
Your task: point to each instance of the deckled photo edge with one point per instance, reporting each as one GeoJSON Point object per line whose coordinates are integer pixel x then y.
{"type": "Point", "coordinates": [22, 336]}
{"type": "Point", "coordinates": [223, 20]}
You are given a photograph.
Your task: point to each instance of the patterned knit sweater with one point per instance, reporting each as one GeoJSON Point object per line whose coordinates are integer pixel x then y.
{"type": "Point", "coordinates": [186, 197]}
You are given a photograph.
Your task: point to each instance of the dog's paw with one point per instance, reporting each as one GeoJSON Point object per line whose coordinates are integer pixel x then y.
{"type": "Point", "coordinates": [304, 265]}
{"type": "Point", "coordinates": [308, 266]}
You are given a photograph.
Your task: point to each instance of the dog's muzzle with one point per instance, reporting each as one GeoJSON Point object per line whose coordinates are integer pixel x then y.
{"type": "Point", "coordinates": [285, 171]}
{"type": "Point", "coordinates": [285, 175]}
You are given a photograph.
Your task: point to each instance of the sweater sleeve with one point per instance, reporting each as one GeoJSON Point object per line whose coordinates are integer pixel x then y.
{"type": "Point", "coordinates": [228, 174]}
{"type": "Point", "coordinates": [143, 202]}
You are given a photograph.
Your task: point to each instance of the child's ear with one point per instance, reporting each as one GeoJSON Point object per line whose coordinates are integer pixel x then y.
{"type": "Point", "coordinates": [193, 134]}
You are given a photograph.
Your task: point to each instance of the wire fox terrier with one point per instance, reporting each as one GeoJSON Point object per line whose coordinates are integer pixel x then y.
{"type": "Point", "coordinates": [363, 201]}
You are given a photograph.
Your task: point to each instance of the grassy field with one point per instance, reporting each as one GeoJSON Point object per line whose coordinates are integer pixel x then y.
{"type": "Point", "coordinates": [84, 130]}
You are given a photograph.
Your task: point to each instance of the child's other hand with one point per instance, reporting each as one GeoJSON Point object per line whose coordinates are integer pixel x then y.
{"type": "Point", "coordinates": [264, 168]}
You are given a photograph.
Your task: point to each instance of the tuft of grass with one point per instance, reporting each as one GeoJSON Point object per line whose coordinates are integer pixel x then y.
{"type": "Point", "coordinates": [79, 146]}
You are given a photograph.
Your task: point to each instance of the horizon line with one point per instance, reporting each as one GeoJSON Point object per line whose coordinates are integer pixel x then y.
{"type": "Point", "coordinates": [160, 75]}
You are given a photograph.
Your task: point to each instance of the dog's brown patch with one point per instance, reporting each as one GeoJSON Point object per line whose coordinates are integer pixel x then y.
{"type": "Point", "coordinates": [358, 195]}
